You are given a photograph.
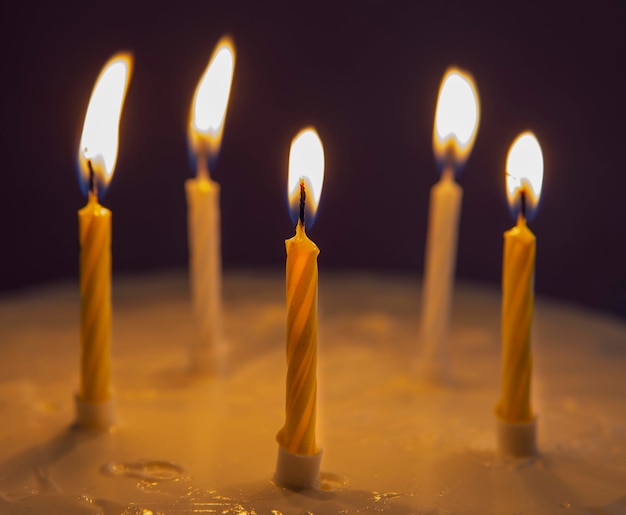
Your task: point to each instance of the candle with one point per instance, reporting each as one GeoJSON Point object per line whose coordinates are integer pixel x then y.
{"type": "Point", "coordinates": [97, 155]}
{"type": "Point", "coordinates": [206, 123]}
{"type": "Point", "coordinates": [524, 175]}
{"type": "Point", "coordinates": [456, 124]}
{"type": "Point", "coordinates": [306, 175]}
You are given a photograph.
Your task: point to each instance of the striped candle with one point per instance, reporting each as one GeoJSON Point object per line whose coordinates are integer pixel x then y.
{"type": "Point", "coordinates": [298, 433]}
{"type": "Point", "coordinates": [517, 314]}
{"type": "Point", "coordinates": [524, 177]}
{"type": "Point", "coordinates": [97, 155]}
{"type": "Point", "coordinates": [95, 290]}
{"type": "Point", "coordinates": [306, 176]}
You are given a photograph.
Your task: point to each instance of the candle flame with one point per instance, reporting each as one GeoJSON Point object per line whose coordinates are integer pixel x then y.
{"type": "Point", "coordinates": [210, 100]}
{"type": "Point", "coordinates": [524, 174]}
{"type": "Point", "coordinates": [456, 119]}
{"type": "Point", "coordinates": [306, 164]}
{"type": "Point", "coordinates": [100, 138]}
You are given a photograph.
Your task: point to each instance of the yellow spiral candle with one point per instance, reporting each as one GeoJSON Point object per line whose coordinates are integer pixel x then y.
{"type": "Point", "coordinates": [524, 177]}
{"type": "Point", "coordinates": [95, 289]}
{"type": "Point", "coordinates": [298, 433]}
{"type": "Point", "coordinates": [306, 176]}
{"type": "Point", "coordinates": [517, 313]}
{"type": "Point", "coordinates": [97, 155]}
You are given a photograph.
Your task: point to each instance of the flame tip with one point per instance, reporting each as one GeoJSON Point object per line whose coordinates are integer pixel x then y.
{"type": "Point", "coordinates": [226, 41]}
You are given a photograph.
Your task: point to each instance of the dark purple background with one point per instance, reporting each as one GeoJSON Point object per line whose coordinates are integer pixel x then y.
{"type": "Point", "coordinates": [366, 75]}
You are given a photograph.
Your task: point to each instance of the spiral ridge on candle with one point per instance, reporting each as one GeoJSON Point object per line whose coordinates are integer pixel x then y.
{"type": "Point", "coordinates": [517, 313]}
{"type": "Point", "coordinates": [298, 433]}
{"type": "Point", "coordinates": [95, 288]}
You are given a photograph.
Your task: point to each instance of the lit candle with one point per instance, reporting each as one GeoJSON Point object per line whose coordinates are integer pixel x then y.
{"type": "Point", "coordinates": [97, 155]}
{"type": "Point", "coordinates": [206, 123]}
{"type": "Point", "coordinates": [297, 437]}
{"type": "Point", "coordinates": [456, 124]}
{"type": "Point", "coordinates": [524, 176]}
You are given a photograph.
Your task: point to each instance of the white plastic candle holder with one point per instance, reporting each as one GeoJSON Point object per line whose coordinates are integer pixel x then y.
{"type": "Point", "coordinates": [297, 471]}
{"type": "Point", "coordinates": [517, 439]}
{"type": "Point", "coordinates": [95, 416]}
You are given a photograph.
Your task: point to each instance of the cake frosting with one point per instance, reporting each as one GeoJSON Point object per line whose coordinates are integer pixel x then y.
{"type": "Point", "coordinates": [188, 443]}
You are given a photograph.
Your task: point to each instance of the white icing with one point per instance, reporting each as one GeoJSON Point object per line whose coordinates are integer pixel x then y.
{"type": "Point", "coordinates": [190, 443]}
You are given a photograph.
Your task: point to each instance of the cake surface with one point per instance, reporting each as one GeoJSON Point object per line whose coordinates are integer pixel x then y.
{"type": "Point", "coordinates": [392, 444]}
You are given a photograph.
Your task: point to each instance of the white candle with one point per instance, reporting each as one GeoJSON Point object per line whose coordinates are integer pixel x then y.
{"type": "Point", "coordinates": [206, 124]}
{"type": "Point", "coordinates": [205, 270]}
{"type": "Point", "coordinates": [439, 265]}
{"type": "Point", "coordinates": [456, 123]}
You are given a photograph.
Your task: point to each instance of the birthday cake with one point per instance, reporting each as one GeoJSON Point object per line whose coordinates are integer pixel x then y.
{"type": "Point", "coordinates": [186, 443]}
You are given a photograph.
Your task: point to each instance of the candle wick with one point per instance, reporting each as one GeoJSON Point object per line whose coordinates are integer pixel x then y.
{"type": "Point", "coordinates": [448, 172]}
{"type": "Point", "coordinates": [449, 158]}
{"type": "Point", "coordinates": [523, 202]}
{"type": "Point", "coordinates": [202, 171]}
{"type": "Point", "coordinates": [302, 200]}
{"type": "Point", "coordinates": [93, 186]}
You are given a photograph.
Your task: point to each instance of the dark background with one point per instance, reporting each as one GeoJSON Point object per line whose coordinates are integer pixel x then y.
{"type": "Point", "coordinates": [366, 75]}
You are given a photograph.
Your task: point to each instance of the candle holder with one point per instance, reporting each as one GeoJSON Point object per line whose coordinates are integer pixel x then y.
{"type": "Point", "coordinates": [297, 471]}
{"type": "Point", "coordinates": [517, 439]}
{"type": "Point", "coordinates": [95, 416]}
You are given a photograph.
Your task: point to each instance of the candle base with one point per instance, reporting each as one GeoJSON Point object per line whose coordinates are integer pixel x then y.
{"type": "Point", "coordinates": [297, 471]}
{"type": "Point", "coordinates": [517, 439]}
{"type": "Point", "coordinates": [95, 416]}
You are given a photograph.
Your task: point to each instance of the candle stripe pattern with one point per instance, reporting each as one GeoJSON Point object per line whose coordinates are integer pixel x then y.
{"type": "Point", "coordinates": [205, 269]}
{"type": "Point", "coordinates": [517, 313]}
{"type": "Point", "coordinates": [298, 433]}
{"type": "Point", "coordinates": [95, 289]}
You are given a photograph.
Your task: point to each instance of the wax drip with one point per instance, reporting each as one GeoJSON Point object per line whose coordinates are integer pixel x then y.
{"type": "Point", "coordinates": [302, 200]}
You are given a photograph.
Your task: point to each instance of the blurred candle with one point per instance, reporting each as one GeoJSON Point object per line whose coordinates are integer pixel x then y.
{"type": "Point", "coordinates": [306, 176]}
{"type": "Point", "coordinates": [206, 123]}
{"type": "Point", "coordinates": [524, 177]}
{"type": "Point", "coordinates": [456, 123]}
{"type": "Point", "coordinates": [97, 155]}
